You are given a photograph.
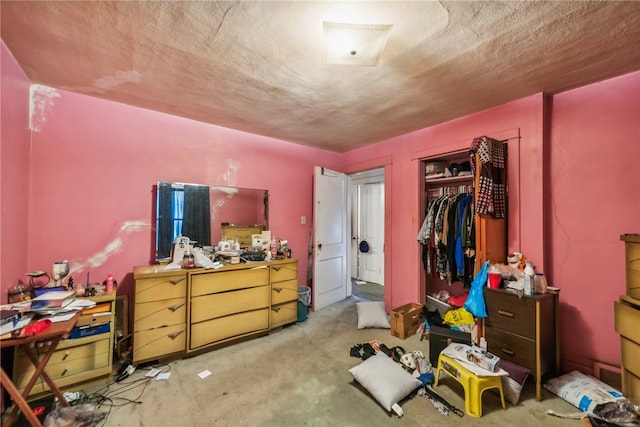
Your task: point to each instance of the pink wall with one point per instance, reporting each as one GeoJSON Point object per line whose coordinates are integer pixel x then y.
{"type": "Point", "coordinates": [403, 154]}
{"type": "Point", "coordinates": [573, 190]}
{"type": "Point", "coordinates": [14, 172]}
{"type": "Point", "coordinates": [94, 163]}
{"type": "Point", "coordinates": [594, 170]}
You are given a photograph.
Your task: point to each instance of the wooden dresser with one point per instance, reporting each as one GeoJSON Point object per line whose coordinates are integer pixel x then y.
{"type": "Point", "coordinates": [177, 312]}
{"type": "Point", "coordinates": [523, 330]}
{"type": "Point", "coordinates": [80, 360]}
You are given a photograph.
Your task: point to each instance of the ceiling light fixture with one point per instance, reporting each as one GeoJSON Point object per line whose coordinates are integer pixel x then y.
{"type": "Point", "coordinates": [355, 44]}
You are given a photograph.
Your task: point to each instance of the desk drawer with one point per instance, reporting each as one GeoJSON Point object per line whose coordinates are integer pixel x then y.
{"type": "Point", "coordinates": [222, 304]}
{"type": "Point", "coordinates": [154, 343]}
{"type": "Point", "coordinates": [510, 313]}
{"type": "Point", "coordinates": [160, 288]}
{"type": "Point", "coordinates": [222, 328]}
{"type": "Point", "coordinates": [284, 291]}
{"type": "Point", "coordinates": [67, 362]}
{"type": "Point", "coordinates": [208, 283]}
{"type": "Point", "coordinates": [513, 348]}
{"type": "Point", "coordinates": [160, 313]}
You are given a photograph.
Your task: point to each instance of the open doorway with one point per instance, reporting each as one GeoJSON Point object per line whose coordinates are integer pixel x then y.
{"type": "Point", "coordinates": [367, 229]}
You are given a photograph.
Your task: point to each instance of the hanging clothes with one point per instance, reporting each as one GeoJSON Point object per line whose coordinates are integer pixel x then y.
{"type": "Point", "coordinates": [491, 190]}
{"type": "Point", "coordinates": [444, 236]}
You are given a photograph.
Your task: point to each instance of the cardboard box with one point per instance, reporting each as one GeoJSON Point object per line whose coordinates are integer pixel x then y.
{"type": "Point", "coordinates": [406, 319]}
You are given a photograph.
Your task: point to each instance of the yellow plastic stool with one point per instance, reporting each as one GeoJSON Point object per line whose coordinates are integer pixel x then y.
{"type": "Point", "coordinates": [473, 384]}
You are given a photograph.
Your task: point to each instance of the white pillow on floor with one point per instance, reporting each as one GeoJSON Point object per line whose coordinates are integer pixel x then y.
{"type": "Point", "coordinates": [384, 379]}
{"type": "Point", "coordinates": [372, 314]}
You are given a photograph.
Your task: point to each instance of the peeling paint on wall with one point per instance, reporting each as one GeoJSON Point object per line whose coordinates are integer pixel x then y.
{"type": "Point", "coordinates": [112, 248]}
{"type": "Point", "coordinates": [230, 176]}
{"type": "Point", "coordinates": [41, 101]}
{"type": "Point", "coordinates": [229, 179]}
{"type": "Point", "coordinates": [120, 78]}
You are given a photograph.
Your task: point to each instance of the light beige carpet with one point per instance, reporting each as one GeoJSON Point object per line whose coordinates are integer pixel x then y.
{"type": "Point", "coordinates": [298, 376]}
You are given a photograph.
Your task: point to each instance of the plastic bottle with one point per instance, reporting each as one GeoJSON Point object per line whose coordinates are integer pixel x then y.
{"type": "Point", "coordinates": [529, 279]}
{"type": "Point", "coordinates": [188, 261]}
{"type": "Point", "coordinates": [109, 283]}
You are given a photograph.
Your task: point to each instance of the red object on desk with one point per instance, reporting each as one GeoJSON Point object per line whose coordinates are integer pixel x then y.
{"type": "Point", "coordinates": [34, 328]}
{"type": "Point", "coordinates": [54, 333]}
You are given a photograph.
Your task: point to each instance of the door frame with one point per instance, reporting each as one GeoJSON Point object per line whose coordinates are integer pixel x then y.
{"type": "Point", "coordinates": [386, 163]}
{"type": "Point", "coordinates": [372, 176]}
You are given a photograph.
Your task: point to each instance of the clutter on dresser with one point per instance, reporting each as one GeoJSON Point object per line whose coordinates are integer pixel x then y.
{"type": "Point", "coordinates": [519, 275]}
{"type": "Point", "coordinates": [186, 254]}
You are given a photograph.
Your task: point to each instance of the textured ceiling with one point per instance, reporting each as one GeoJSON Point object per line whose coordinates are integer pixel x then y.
{"type": "Point", "coordinates": [258, 66]}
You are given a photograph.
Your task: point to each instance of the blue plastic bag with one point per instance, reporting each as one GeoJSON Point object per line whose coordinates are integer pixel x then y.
{"type": "Point", "coordinates": [475, 300]}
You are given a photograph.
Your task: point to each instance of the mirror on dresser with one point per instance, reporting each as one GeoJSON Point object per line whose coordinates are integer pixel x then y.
{"type": "Point", "coordinates": [200, 212]}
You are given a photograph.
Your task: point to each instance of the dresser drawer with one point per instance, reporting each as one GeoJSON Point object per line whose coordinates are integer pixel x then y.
{"type": "Point", "coordinates": [630, 359]}
{"type": "Point", "coordinates": [67, 362]}
{"type": "Point", "coordinates": [284, 291]}
{"type": "Point", "coordinates": [222, 328]}
{"type": "Point", "coordinates": [284, 314]}
{"type": "Point", "coordinates": [208, 283]}
{"type": "Point", "coordinates": [155, 314]}
{"type": "Point", "coordinates": [281, 272]}
{"type": "Point", "coordinates": [154, 343]}
{"type": "Point", "coordinates": [511, 313]}
{"type": "Point", "coordinates": [627, 319]}
{"type": "Point", "coordinates": [160, 288]}
{"type": "Point", "coordinates": [224, 303]}
{"type": "Point", "coordinates": [513, 348]}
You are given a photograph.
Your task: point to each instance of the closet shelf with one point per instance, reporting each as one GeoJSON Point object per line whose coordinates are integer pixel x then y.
{"type": "Point", "coordinates": [450, 180]}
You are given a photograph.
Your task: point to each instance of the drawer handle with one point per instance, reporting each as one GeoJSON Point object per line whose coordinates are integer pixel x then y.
{"type": "Point", "coordinates": [173, 335]}
{"type": "Point", "coordinates": [174, 307]}
{"type": "Point", "coordinates": [177, 280]}
{"type": "Point", "coordinates": [66, 354]}
{"type": "Point", "coordinates": [63, 372]}
{"type": "Point", "coordinates": [509, 352]}
{"type": "Point", "coordinates": [276, 309]}
{"type": "Point", "coordinates": [277, 289]}
{"type": "Point", "coordinates": [505, 313]}
{"type": "Point", "coordinates": [276, 268]}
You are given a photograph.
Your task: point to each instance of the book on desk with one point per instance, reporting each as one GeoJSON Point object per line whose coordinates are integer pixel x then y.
{"type": "Point", "coordinates": [53, 300]}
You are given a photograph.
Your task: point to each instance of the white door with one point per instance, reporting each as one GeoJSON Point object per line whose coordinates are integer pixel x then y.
{"type": "Point", "coordinates": [368, 225]}
{"type": "Point", "coordinates": [371, 262]}
{"type": "Point", "coordinates": [331, 279]}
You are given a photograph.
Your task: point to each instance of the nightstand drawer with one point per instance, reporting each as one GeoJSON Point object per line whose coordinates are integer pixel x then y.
{"type": "Point", "coordinates": [224, 303]}
{"type": "Point", "coordinates": [512, 348]}
{"type": "Point", "coordinates": [208, 283]}
{"type": "Point", "coordinates": [511, 313]}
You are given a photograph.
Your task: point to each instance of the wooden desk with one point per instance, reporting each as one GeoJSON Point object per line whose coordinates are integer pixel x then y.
{"type": "Point", "coordinates": [53, 333]}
